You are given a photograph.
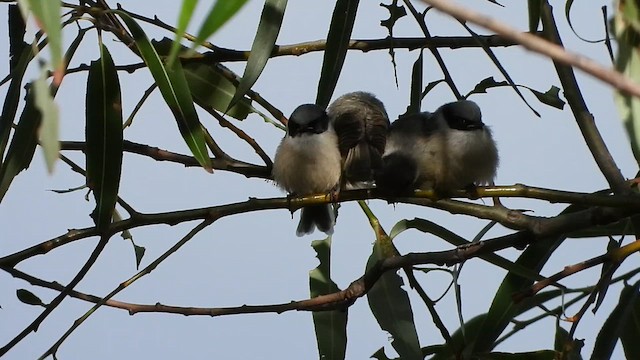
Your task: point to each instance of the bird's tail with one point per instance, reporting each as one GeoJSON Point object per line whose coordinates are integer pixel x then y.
{"type": "Point", "coordinates": [398, 173]}
{"type": "Point", "coordinates": [320, 216]}
{"type": "Point", "coordinates": [361, 164]}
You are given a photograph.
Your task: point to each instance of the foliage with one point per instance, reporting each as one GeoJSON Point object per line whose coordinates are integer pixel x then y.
{"type": "Point", "coordinates": [193, 80]}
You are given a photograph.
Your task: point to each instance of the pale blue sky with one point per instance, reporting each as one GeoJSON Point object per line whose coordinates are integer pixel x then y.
{"type": "Point", "coordinates": [256, 258]}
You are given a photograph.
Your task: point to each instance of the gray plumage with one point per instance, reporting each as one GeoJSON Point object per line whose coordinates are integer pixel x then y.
{"type": "Point", "coordinates": [308, 161]}
{"type": "Point", "coordinates": [361, 123]}
{"type": "Point", "coordinates": [449, 149]}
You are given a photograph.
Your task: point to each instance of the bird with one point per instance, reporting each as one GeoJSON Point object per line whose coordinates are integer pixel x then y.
{"type": "Point", "coordinates": [449, 149]}
{"type": "Point", "coordinates": [308, 161]}
{"type": "Point", "coordinates": [361, 123]}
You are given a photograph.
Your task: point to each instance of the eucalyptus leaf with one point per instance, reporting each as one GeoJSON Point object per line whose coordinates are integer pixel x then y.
{"type": "Point", "coordinates": [49, 127]}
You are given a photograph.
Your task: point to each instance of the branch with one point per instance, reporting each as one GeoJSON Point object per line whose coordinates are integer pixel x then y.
{"type": "Point", "coordinates": [541, 46]}
{"type": "Point", "coordinates": [583, 116]}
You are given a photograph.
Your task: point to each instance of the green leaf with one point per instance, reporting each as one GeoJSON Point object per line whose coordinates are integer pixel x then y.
{"type": "Point", "coordinates": [551, 97]}
{"type": "Point", "coordinates": [415, 100]}
{"type": "Point", "coordinates": [430, 227]}
{"type": "Point", "coordinates": [23, 144]}
{"type": "Point", "coordinates": [49, 127]}
{"type": "Point", "coordinates": [503, 309]}
{"type": "Point", "coordinates": [47, 14]}
{"type": "Point", "coordinates": [390, 305]}
{"type": "Point", "coordinates": [330, 326]}
{"type": "Point", "coordinates": [220, 13]}
{"type": "Point", "coordinates": [10, 106]}
{"type": "Point", "coordinates": [616, 324]}
{"type": "Point", "coordinates": [535, 8]}
{"type": "Point", "coordinates": [631, 332]}
{"type": "Point", "coordinates": [104, 136]}
{"type": "Point", "coordinates": [263, 44]}
{"type": "Point", "coordinates": [139, 251]}
{"type": "Point", "coordinates": [626, 29]}
{"type": "Point", "coordinates": [174, 89]}
{"type": "Point", "coordinates": [186, 12]}
{"type": "Point", "coordinates": [342, 20]}
{"type": "Point", "coordinates": [29, 298]}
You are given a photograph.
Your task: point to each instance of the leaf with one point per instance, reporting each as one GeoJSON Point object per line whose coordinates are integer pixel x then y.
{"type": "Point", "coordinates": [184, 18]}
{"type": "Point", "coordinates": [49, 127]}
{"type": "Point", "coordinates": [342, 20]}
{"type": "Point", "coordinates": [330, 326]}
{"type": "Point", "coordinates": [174, 89]}
{"type": "Point", "coordinates": [631, 331]}
{"type": "Point", "coordinates": [530, 355]}
{"type": "Point", "coordinates": [209, 88]}
{"type": "Point", "coordinates": [415, 99]}
{"type": "Point", "coordinates": [103, 136]}
{"type": "Point", "coordinates": [535, 8]}
{"type": "Point", "coordinates": [17, 30]}
{"type": "Point", "coordinates": [625, 29]}
{"type": "Point", "coordinates": [139, 251]}
{"type": "Point", "coordinates": [551, 97]}
{"type": "Point", "coordinates": [47, 14]}
{"type": "Point", "coordinates": [503, 309]}
{"type": "Point", "coordinates": [616, 323]}
{"type": "Point", "coordinates": [29, 298]}
{"type": "Point", "coordinates": [567, 347]}
{"type": "Point", "coordinates": [263, 44]}
{"type": "Point", "coordinates": [390, 305]}
{"type": "Point", "coordinates": [485, 84]}
{"type": "Point", "coordinates": [220, 13]}
{"type": "Point", "coordinates": [23, 144]}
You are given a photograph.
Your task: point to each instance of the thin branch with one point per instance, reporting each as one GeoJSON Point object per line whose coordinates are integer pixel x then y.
{"type": "Point", "coordinates": [239, 167]}
{"type": "Point", "coordinates": [583, 116]}
{"type": "Point", "coordinates": [541, 46]}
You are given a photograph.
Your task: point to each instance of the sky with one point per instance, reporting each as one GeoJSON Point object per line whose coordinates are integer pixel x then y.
{"type": "Point", "coordinates": [256, 258]}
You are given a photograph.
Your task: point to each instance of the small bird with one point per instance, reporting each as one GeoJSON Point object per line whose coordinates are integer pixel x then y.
{"type": "Point", "coordinates": [308, 162]}
{"type": "Point", "coordinates": [361, 123]}
{"type": "Point", "coordinates": [449, 149]}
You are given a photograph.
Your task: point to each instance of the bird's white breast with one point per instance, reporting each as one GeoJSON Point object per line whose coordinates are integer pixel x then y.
{"type": "Point", "coordinates": [308, 164]}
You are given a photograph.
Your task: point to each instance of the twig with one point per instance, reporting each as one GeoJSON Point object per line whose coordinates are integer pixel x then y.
{"type": "Point", "coordinates": [541, 46]}
{"type": "Point", "coordinates": [583, 116]}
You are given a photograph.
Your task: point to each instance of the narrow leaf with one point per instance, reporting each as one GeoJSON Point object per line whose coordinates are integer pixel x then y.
{"type": "Point", "coordinates": [530, 355]}
{"type": "Point", "coordinates": [220, 13]}
{"type": "Point", "coordinates": [616, 323]}
{"type": "Point", "coordinates": [49, 127]}
{"type": "Point", "coordinates": [330, 326]}
{"type": "Point", "coordinates": [551, 97]}
{"type": "Point", "coordinates": [47, 14]}
{"type": "Point", "coordinates": [23, 144]}
{"type": "Point", "coordinates": [415, 99]}
{"type": "Point", "coordinates": [29, 298]}
{"type": "Point", "coordinates": [263, 44]}
{"type": "Point", "coordinates": [390, 305]}
{"type": "Point", "coordinates": [174, 89]}
{"type": "Point", "coordinates": [631, 332]}
{"type": "Point", "coordinates": [186, 12]}
{"type": "Point", "coordinates": [567, 347]}
{"type": "Point", "coordinates": [342, 20]}
{"type": "Point", "coordinates": [104, 136]}
{"type": "Point", "coordinates": [535, 8]}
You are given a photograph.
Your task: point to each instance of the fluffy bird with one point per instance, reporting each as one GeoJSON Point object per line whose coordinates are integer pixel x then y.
{"type": "Point", "coordinates": [308, 161]}
{"type": "Point", "coordinates": [449, 149]}
{"type": "Point", "coordinates": [361, 124]}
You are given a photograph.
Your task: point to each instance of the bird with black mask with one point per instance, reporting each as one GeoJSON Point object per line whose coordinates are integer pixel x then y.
{"type": "Point", "coordinates": [361, 124]}
{"type": "Point", "coordinates": [447, 150]}
{"type": "Point", "coordinates": [307, 162]}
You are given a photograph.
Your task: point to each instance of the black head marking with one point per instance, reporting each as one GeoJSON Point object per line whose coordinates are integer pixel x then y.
{"type": "Point", "coordinates": [462, 115]}
{"type": "Point", "coordinates": [309, 119]}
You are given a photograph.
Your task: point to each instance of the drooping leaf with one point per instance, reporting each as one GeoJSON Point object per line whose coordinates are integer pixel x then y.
{"type": "Point", "coordinates": [104, 136]}
{"type": "Point", "coordinates": [23, 144]}
{"type": "Point", "coordinates": [174, 89]}
{"type": "Point", "coordinates": [342, 20]}
{"type": "Point", "coordinates": [49, 126]}
{"type": "Point", "coordinates": [330, 326]}
{"type": "Point", "coordinates": [184, 18]}
{"type": "Point", "coordinates": [534, 7]}
{"type": "Point", "coordinates": [263, 44]}
{"type": "Point", "coordinates": [17, 29]}
{"type": "Point", "coordinates": [529, 355]}
{"type": "Point", "coordinates": [47, 14]}
{"type": "Point", "coordinates": [29, 298]}
{"type": "Point", "coordinates": [626, 28]}
{"type": "Point", "coordinates": [390, 305]}
{"type": "Point", "coordinates": [615, 325]}
{"type": "Point", "coordinates": [567, 347]}
{"type": "Point", "coordinates": [551, 97]}
{"type": "Point", "coordinates": [415, 99]}
{"type": "Point", "coordinates": [220, 13]}
{"type": "Point", "coordinates": [209, 88]}
{"type": "Point", "coordinates": [631, 332]}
